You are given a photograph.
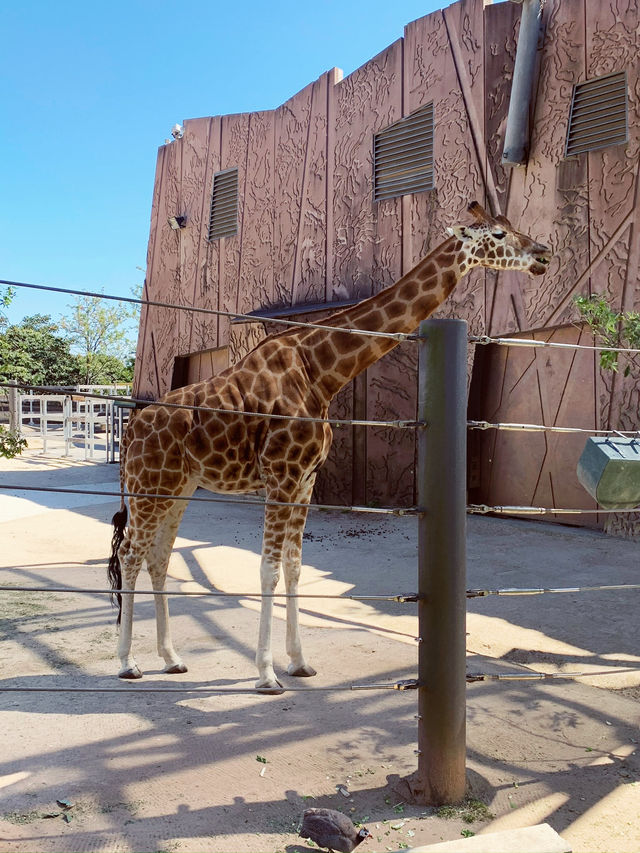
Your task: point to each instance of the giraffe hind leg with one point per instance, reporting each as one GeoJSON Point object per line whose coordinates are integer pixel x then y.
{"type": "Point", "coordinates": [157, 565]}
{"type": "Point", "coordinates": [151, 535]}
{"type": "Point", "coordinates": [130, 566]}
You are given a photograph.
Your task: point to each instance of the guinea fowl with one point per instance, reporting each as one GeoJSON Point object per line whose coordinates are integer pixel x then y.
{"type": "Point", "coordinates": [332, 829]}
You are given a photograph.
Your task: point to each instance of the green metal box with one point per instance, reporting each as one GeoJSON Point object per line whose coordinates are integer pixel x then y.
{"type": "Point", "coordinates": [609, 469]}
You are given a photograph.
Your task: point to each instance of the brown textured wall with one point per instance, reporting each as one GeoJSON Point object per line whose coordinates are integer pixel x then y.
{"type": "Point", "coordinates": [308, 230]}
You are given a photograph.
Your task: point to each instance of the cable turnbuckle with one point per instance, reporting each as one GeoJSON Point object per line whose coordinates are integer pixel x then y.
{"type": "Point", "coordinates": [478, 593]}
{"type": "Point", "coordinates": [407, 684]}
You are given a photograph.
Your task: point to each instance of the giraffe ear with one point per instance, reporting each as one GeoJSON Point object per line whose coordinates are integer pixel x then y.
{"type": "Point", "coordinates": [462, 232]}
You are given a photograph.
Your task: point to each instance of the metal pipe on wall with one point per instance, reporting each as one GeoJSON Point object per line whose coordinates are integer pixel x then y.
{"type": "Point", "coordinates": [516, 140]}
{"type": "Point", "coordinates": [442, 479]}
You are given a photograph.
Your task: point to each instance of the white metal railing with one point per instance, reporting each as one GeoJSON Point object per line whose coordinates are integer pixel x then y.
{"type": "Point", "coordinates": [73, 421]}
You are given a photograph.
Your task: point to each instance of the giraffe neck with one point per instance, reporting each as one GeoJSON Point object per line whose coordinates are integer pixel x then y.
{"type": "Point", "coordinates": [334, 358]}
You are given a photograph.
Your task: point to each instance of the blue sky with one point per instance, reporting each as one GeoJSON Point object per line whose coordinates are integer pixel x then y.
{"type": "Point", "coordinates": [90, 90]}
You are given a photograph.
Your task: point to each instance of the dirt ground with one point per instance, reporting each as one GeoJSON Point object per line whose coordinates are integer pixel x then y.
{"type": "Point", "coordinates": [147, 771]}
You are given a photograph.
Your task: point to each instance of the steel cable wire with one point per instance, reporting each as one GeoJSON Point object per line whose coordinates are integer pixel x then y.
{"type": "Point", "coordinates": [400, 598]}
{"type": "Point", "coordinates": [484, 425]}
{"type": "Point", "coordinates": [401, 686]}
{"type": "Point", "coordinates": [541, 676]}
{"type": "Point", "coordinates": [483, 509]}
{"type": "Point", "coordinates": [141, 402]}
{"type": "Point", "coordinates": [530, 342]}
{"type": "Point", "coordinates": [483, 593]}
{"type": "Point", "coordinates": [396, 336]}
{"type": "Point", "coordinates": [245, 501]}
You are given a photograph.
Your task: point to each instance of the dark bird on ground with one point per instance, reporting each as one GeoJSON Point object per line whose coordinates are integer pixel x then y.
{"type": "Point", "coordinates": [332, 829]}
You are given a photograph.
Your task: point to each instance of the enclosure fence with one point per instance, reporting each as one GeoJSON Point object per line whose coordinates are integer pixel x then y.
{"type": "Point", "coordinates": [441, 511]}
{"type": "Point", "coordinates": [69, 416]}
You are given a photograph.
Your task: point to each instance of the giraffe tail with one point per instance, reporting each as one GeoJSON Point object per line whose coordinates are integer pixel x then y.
{"type": "Point", "coordinates": [114, 574]}
{"type": "Point", "coordinates": [119, 522]}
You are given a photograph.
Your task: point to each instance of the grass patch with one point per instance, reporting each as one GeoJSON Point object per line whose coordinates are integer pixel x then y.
{"type": "Point", "coordinates": [18, 608]}
{"type": "Point", "coordinates": [24, 817]}
{"type": "Point", "coordinates": [468, 811]}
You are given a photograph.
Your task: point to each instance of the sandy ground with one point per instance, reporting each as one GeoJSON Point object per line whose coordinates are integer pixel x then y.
{"type": "Point", "coordinates": [181, 772]}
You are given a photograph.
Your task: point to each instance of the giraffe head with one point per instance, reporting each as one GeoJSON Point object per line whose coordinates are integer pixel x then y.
{"type": "Point", "coordinates": [493, 242]}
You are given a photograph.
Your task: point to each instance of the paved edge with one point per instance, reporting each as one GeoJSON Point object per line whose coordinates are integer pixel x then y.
{"type": "Point", "coordinates": [534, 839]}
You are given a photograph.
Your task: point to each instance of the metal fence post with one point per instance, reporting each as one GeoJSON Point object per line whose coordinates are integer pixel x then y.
{"type": "Point", "coordinates": [15, 421]}
{"type": "Point", "coordinates": [442, 466]}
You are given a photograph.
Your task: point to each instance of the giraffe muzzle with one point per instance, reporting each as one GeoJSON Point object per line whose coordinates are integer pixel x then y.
{"type": "Point", "coordinates": [541, 259]}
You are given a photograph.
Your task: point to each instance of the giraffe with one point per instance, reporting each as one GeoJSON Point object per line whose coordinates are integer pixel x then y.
{"type": "Point", "coordinates": [296, 373]}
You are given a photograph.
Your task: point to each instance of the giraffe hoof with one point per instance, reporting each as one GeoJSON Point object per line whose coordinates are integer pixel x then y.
{"type": "Point", "coordinates": [132, 672]}
{"type": "Point", "coordinates": [174, 668]}
{"type": "Point", "coordinates": [304, 671]}
{"type": "Point", "coordinates": [272, 688]}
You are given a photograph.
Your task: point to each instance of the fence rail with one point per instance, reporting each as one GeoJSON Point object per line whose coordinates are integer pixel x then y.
{"type": "Point", "coordinates": [67, 416]}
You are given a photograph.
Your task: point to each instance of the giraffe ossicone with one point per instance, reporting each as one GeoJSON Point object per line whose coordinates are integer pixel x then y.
{"type": "Point", "coordinates": [296, 373]}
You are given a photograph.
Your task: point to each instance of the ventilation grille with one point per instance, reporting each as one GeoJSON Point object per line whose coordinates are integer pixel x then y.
{"type": "Point", "coordinates": [224, 205]}
{"type": "Point", "coordinates": [403, 156]}
{"type": "Point", "coordinates": [598, 114]}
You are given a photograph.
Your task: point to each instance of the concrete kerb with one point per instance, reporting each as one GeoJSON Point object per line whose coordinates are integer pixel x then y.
{"type": "Point", "coordinates": [532, 839]}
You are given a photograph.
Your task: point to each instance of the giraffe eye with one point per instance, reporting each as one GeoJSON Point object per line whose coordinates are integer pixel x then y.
{"type": "Point", "coordinates": [499, 234]}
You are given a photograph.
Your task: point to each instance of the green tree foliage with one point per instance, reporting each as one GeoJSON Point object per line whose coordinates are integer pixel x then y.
{"type": "Point", "coordinates": [31, 352]}
{"type": "Point", "coordinates": [99, 335]}
{"type": "Point", "coordinates": [34, 352]}
{"type": "Point", "coordinates": [612, 329]}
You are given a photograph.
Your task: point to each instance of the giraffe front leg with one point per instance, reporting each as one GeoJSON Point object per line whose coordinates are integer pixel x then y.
{"type": "Point", "coordinates": [298, 666]}
{"type": "Point", "coordinates": [269, 574]}
{"type": "Point", "coordinates": [275, 519]}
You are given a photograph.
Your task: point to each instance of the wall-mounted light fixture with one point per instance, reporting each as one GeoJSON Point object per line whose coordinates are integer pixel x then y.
{"type": "Point", "coordinates": [177, 222]}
